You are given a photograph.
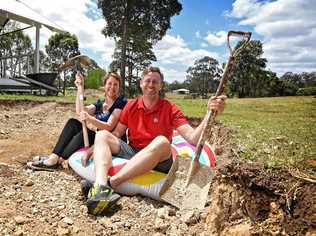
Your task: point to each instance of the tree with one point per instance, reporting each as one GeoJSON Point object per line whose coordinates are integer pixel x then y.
{"type": "Point", "coordinates": [308, 79]}
{"type": "Point", "coordinates": [248, 74]}
{"type": "Point", "coordinates": [94, 79]}
{"type": "Point", "coordinates": [127, 20]}
{"type": "Point", "coordinates": [60, 47]}
{"type": "Point", "coordinates": [176, 85]}
{"type": "Point", "coordinates": [17, 48]}
{"type": "Point", "coordinates": [138, 56]}
{"type": "Point", "coordinates": [203, 76]}
{"type": "Point", "coordinates": [291, 82]}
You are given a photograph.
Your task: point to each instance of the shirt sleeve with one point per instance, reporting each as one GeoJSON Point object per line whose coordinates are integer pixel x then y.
{"type": "Point", "coordinates": [178, 117]}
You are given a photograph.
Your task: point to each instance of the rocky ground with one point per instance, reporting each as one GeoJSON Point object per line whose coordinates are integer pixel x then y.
{"type": "Point", "coordinates": [245, 199]}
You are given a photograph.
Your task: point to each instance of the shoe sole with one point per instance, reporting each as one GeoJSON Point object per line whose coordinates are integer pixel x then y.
{"type": "Point", "coordinates": [51, 169]}
{"type": "Point", "coordinates": [98, 206]}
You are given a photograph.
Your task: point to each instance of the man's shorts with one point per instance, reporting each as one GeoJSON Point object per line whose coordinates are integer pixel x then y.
{"type": "Point", "coordinates": [127, 152]}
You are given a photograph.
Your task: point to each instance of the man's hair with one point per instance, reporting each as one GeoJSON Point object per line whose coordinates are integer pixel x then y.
{"type": "Point", "coordinates": [151, 69]}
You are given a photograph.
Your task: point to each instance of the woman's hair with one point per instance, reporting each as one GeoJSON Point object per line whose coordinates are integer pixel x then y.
{"type": "Point", "coordinates": [152, 69]}
{"type": "Point", "coordinates": [114, 75]}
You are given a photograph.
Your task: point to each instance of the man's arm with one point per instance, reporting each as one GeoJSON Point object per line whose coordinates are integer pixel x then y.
{"type": "Point", "coordinates": [192, 135]}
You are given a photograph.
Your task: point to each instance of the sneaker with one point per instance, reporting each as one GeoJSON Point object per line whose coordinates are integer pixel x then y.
{"type": "Point", "coordinates": [100, 198]}
{"type": "Point", "coordinates": [85, 187]}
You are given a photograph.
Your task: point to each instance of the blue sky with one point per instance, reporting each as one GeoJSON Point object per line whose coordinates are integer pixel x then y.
{"type": "Point", "coordinates": [287, 29]}
{"type": "Point", "coordinates": [203, 16]}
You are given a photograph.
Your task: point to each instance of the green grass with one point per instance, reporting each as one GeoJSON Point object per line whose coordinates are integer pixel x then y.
{"type": "Point", "coordinates": [275, 131]}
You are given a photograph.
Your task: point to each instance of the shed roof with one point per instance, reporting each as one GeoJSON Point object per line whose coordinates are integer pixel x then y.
{"type": "Point", "coordinates": [18, 11]}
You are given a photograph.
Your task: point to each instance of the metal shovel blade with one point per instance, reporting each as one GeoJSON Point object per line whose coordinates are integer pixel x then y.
{"type": "Point", "coordinates": [83, 60]}
{"type": "Point", "coordinates": [191, 196]}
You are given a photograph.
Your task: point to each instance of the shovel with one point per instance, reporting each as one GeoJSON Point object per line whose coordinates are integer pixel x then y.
{"type": "Point", "coordinates": [188, 182]}
{"type": "Point", "coordinates": [78, 62]}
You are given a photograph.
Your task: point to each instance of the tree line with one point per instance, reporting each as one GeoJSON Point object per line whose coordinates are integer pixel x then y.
{"type": "Point", "coordinates": [136, 26]}
{"type": "Point", "coordinates": [249, 77]}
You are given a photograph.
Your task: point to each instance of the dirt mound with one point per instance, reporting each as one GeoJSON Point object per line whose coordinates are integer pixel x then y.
{"type": "Point", "coordinates": [268, 202]}
{"type": "Point", "coordinates": [245, 199]}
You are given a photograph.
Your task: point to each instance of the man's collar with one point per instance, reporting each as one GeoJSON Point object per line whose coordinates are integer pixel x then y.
{"type": "Point", "coordinates": [141, 105]}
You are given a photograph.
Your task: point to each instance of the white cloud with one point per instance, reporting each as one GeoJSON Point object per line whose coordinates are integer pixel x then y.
{"type": "Point", "coordinates": [288, 28]}
{"type": "Point", "coordinates": [173, 50]}
{"type": "Point", "coordinates": [242, 8]}
{"type": "Point", "coordinates": [171, 74]}
{"type": "Point", "coordinates": [216, 39]}
{"type": "Point", "coordinates": [71, 17]}
{"type": "Point", "coordinates": [174, 57]}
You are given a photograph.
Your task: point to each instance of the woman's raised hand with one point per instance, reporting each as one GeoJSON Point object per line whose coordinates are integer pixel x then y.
{"type": "Point", "coordinates": [79, 79]}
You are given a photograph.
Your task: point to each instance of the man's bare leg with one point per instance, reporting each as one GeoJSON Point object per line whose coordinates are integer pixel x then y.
{"type": "Point", "coordinates": [145, 160]}
{"type": "Point", "coordinates": [106, 144]}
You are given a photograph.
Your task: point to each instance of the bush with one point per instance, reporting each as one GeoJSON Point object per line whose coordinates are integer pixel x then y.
{"type": "Point", "coordinates": [194, 95]}
{"type": "Point", "coordinates": [188, 96]}
{"type": "Point", "coordinates": [306, 91]}
{"type": "Point", "coordinates": [94, 79]}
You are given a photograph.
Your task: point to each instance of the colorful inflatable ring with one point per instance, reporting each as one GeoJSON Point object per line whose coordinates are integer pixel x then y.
{"type": "Point", "coordinates": [148, 184]}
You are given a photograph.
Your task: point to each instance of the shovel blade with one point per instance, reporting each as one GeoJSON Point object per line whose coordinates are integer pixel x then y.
{"type": "Point", "coordinates": [183, 195]}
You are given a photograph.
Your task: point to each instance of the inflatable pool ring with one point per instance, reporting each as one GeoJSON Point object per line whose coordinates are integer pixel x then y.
{"type": "Point", "coordinates": [150, 183]}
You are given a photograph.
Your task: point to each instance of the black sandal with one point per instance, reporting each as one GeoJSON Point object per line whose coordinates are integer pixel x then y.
{"type": "Point", "coordinates": [39, 165]}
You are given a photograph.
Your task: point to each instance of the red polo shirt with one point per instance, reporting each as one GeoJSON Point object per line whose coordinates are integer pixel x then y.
{"type": "Point", "coordinates": [144, 124]}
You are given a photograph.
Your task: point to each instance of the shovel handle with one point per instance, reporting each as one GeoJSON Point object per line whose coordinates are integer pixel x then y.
{"type": "Point", "coordinates": [232, 55]}
{"type": "Point", "coordinates": [221, 87]}
{"type": "Point", "coordinates": [245, 35]}
{"type": "Point", "coordinates": [84, 126]}
{"type": "Point", "coordinates": [210, 116]}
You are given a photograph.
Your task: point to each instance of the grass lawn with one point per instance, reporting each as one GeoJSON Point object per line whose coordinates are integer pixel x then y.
{"type": "Point", "coordinates": [276, 131]}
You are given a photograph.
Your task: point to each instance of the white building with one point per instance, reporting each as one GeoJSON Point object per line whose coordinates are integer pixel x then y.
{"type": "Point", "coordinates": [181, 91]}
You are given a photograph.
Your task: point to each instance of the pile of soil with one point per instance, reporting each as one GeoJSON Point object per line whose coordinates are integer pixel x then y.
{"type": "Point", "coordinates": [244, 199]}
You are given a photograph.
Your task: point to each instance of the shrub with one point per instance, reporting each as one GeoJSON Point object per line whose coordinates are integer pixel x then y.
{"type": "Point", "coordinates": [188, 96]}
{"type": "Point", "coordinates": [94, 79]}
{"type": "Point", "coordinates": [306, 91]}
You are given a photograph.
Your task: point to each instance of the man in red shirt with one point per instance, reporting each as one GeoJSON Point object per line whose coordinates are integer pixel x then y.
{"type": "Point", "coordinates": [150, 121]}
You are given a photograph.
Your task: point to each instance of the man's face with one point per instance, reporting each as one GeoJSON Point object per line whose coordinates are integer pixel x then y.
{"type": "Point", "coordinates": [151, 84]}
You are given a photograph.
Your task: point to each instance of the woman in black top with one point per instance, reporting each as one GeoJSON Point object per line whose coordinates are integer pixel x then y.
{"type": "Point", "coordinates": [104, 114]}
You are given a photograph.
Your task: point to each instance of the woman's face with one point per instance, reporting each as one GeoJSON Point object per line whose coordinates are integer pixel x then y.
{"type": "Point", "coordinates": [112, 87]}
